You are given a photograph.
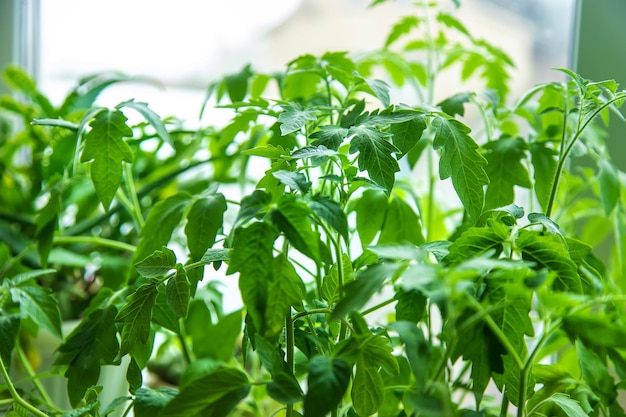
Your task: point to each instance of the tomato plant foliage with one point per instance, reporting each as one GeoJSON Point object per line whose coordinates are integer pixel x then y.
{"type": "Point", "coordinates": [391, 259]}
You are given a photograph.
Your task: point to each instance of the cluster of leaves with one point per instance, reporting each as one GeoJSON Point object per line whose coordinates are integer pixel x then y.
{"type": "Point", "coordinates": [365, 289]}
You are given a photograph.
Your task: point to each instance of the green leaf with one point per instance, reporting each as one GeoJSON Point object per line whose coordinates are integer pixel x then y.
{"type": "Point", "coordinates": [215, 255]}
{"type": "Point", "coordinates": [570, 407]}
{"type": "Point", "coordinates": [476, 241]}
{"type": "Point", "coordinates": [285, 388]}
{"type": "Point", "coordinates": [380, 90]}
{"type": "Point", "coordinates": [292, 217]}
{"type": "Point", "coordinates": [371, 209]}
{"type": "Point", "coordinates": [368, 388]}
{"type": "Point", "coordinates": [293, 118]}
{"type": "Point", "coordinates": [461, 160]}
{"type": "Point", "coordinates": [285, 289]}
{"type": "Point", "coordinates": [136, 315]}
{"type": "Point", "coordinates": [150, 116]}
{"type": "Point", "coordinates": [599, 331]}
{"type": "Point", "coordinates": [610, 189]}
{"type": "Point", "coordinates": [237, 84]}
{"type": "Point", "coordinates": [269, 151]}
{"type": "Point", "coordinates": [549, 251]}
{"type": "Point", "coordinates": [204, 220]}
{"type": "Point", "coordinates": [331, 212]}
{"type": "Point", "coordinates": [134, 376]}
{"type": "Point", "coordinates": [160, 223]}
{"type": "Point", "coordinates": [91, 344]}
{"type": "Point", "coordinates": [327, 382]}
{"type": "Point", "coordinates": [417, 350]}
{"type": "Point", "coordinates": [453, 23]}
{"type": "Point", "coordinates": [178, 292]}
{"type": "Point", "coordinates": [377, 351]}
{"type": "Point", "coordinates": [18, 79]}
{"type": "Point", "coordinates": [455, 104]}
{"type": "Point", "coordinates": [411, 306]}
{"type": "Point", "coordinates": [544, 164]}
{"type": "Point", "coordinates": [158, 264]}
{"type": "Point", "coordinates": [401, 225]}
{"type": "Point", "coordinates": [39, 305]}
{"type": "Point", "coordinates": [23, 277]}
{"type": "Point", "coordinates": [596, 373]}
{"type": "Point", "coordinates": [149, 402]}
{"type": "Point", "coordinates": [505, 170]}
{"type": "Point", "coordinates": [549, 224]}
{"type": "Point", "coordinates": [358, 292]}
{"type": "Point", "coordinates": [252, 258]}
{"type": "Point", "coordinates": [206, 396]}
{"type": "Point", "coordinates": [295, 180]}
{"type": "Point", "coordinates": [329, 136]}
{"type": "Point", "coordinates": [404, 26]}
{"type": "Point", "coordinates": [408, 133]}
{"type": "Point", "coordinates": [227, 330]}
{"type": "Point", "coordinates": [105, 146]}
{"type": "Point", "coordinates": [9, 326]}
{"type": "Point", "coordinates": [375, 154]}
{"type": "Point", "coordinates": [313, 152]}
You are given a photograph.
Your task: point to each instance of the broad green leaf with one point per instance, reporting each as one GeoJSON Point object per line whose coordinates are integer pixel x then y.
{"type": "Point", "coordinates": [408, 133]}
{"type": "Point", "coordinates": [162, 315]}
{"type": "Point", "coordinates": [312, 152]}
{"type": "Point", "coordinates": [331, 212]}
{"type": "Point", "coordinates": [39, 305]}
{"type": "Point", "coordinates": [158, 264]}
{"type": "Point", "coordinates": [134, 376]}
{"type": "Point", "coordinates": [292, 217]}
{"type": "Point", "coordinates": [285, 289]}
{"type": "Point", "coordinates": [202, 397]}
{"type": "Point", "coordinates": [150, 116]}
{"type": "Point", "coordinates": [268, 151]}
{"type": "Point", "coordinates": [596, 373]}
{"type": "Point", "coordinates": [610, 190]}
{"type": "Point", "coordinates": [380, 90]}
{"type": "Point", "coordinates": [136, 315]}
{"type": "Point", "coordinates": [329, 136]}
{"type": "Point", "coordinates": [215, 255]}
{"type": "Point", "coordinates": [178, 292]}
{"type": "Point", "coordinates": [476, 241]}
{"type": "Point", "coordinates": [162, 219]}
{"type": "Point", "coordinates": [417, 349]}
{"type": "Point", "coordinates": [453, 23]}
{"type": "Point", "coordinates": [92, 344]}
{"type": "Point", "coordinates": [293, 118]}
{"type": "Point", "coordinates": [371, 209]}
{"type": "Point", "coordinates": [9, 326]}
{"type": "Point", "coordinates": [204, 220]}
{"type": "Point", "coordinates": [227, 330]}
{"type": "Point", "coordinates": [544, 164]}
{"type": "Point", "coordinates": [105, 146]}
{"type": "Point", "coordinates": [149, 402]}
{"type": "Point", "coordinates": [115, 404]}
{"type": "Point", "coordinates": [454, 105]}
{"type": "Point", "coordinates": [375, 154]}
{"type": "Point", "coordinates": [295, 180]}
{"type": "Point", "coordinates": [549, 251]}
{"type": "Point", "coordinates": [252, 258]}
{"type": "Point", "coordinates": [237, 84]}
{"type": "Point", "coordinates": [285, 388]}
{"type": "Point", "coordinates": [358, 292]}
{"type": "Point", "coordinates": [401, 224]}
{"type": "Point", "coordinates": [23, 277]}
{"type": "Point", "coordinates": [505, 170]}
{"type": "Point", "coordinates": [368, 388]}
{"type": "Point", "coordinates": [599, 331]}
{"type": "Point", "coordinates": [549, 224]}
{"type": "Point", "coordinates": [570, 407]}
{"type": "Point", "coordinates": [18, 79]}
{"type": "Point", "coordinates": [411, 306]}
{"type": "Point", "coordinates": [461, 160]}
{"type": "Point", "coordinates": [378, 351]}
{"type": "Point", "coordinates": [327, 382]}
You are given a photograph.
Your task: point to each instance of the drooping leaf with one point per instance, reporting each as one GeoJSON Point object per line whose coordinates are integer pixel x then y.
{"type": "Point", "coordinates": [596, 373]}
{"type": "Point", "coordinates": [293, 118]}
{"type": "Point", "coordinates": [156, 265]}
{"type": "Point", "coordinates": [92, 343]}
{"type": "Point", "coordinates": [285, 388]}
{"type": "Point", "coordinates": [505, 170]}
{"type": "Point", "coordinates": [570, 407]}
{"type": "Point", "coordinates": [105, 146]}
{"type": "Point", "coordinates": [549, 224]}
{"type": "Point", "coordinates": [136, 315]}
{"type": "Point", "coordinates": [368, 388]}
{"type": "Point", "coordinates": [544, 163]}
{"type": "Point", "coordinates": [204, 221]}
{"type": "Point", "coordinates": [252, 258]}
{"type": "Point", "coordinates": [549, 251]}
{"type": "Point", "coordinates": [178, 292]}
{"type": "Point", "coordinates": [455, 104]}
{"type": "Point", "coordinates": [213, 395]}
{"type": "Point", "coordinates": [39, 305]}
{"type": "Point", "coordinates": [160, 223]}
{"type": "Point", "coordinates": [295, 180]}
{"type": "Point", "coordinates": [327, 382]}
{"type": "Point", "coordinates": [371, 209]}
{"type": "Point", "coordinates": [610, 190]}
{"type": "Point", "coordinates": [150, 116]}
{"type": "Point", "coordinates": [331, 212]}
{"type": "Point", "coordinates": [292, 217]}
{"type": "Point", "coordinates": [237, 84]}
{"type": "Point", "coordinates": [134, 377]}
{"type": "Point", "coordinates": [461, 161]}
{"type": "Point", "coordinates": [285, 289]}
{"type": "Point", "coordinates": [417, 349]}
{"type": "Point", "coordinates": [375, 154]}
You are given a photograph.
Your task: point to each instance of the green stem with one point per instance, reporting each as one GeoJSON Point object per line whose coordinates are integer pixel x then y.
{"type": "Point", "coordinates": [504, 406]}
{"type": "Point", "coordinates": [378, 306]}
{"type": "Point", "coordinates": [130, 183]}
{"type": "Point", "coordinates": [182, 337]}
{"type": "Point", "coordinates": [95, 240]}
{"type": "Point", "coordinates": [290, 354]}
{"type": "Point", "coordinates": [14, 394]}
{"type": "Point", "coordinates": [561, 163]}
{"type": "Point", "coordinates": [31, 373]}
{"type": "Point", "coordinates": [311, 312]}
{"type": "Point", "coordinates": [126, 203]}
